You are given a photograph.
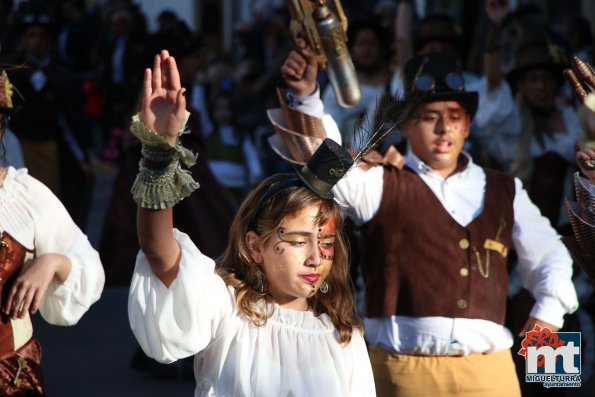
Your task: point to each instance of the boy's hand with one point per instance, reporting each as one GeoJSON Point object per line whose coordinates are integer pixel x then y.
{"type": "Point", "coordinates": [300, 70]}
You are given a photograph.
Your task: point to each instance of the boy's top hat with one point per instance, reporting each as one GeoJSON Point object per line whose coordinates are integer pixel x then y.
{"type": "Point", "coordinates": [438, 76]}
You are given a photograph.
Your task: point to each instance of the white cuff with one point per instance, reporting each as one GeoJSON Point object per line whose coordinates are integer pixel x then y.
{"type": "Point", "coordinates": [550, 310]}
{"type": "Point", "coordinates": [311, 105]}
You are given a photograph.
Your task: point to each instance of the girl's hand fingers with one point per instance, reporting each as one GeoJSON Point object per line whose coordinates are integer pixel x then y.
{"type": "Point", "coordinates": [10, 300]}
{"type": "Point", "coordinates": [36, 302]}
{"type": "Point", "coordinates": [147, 88]}
{"type": "Point", "coordinates": [156, 82]}
{"type": "Point", "coordinates": [18, 299]}
{"type": "Point", "coordinates": [181, 104]}
{"type": "Point", "coordinates": [174, 74]}
{"type": "Point", "coordinates": [27, 302]}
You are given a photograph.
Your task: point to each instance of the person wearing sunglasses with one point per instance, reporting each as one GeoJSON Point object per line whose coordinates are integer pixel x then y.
{"type": "Point", "coordinates": [436, 236]}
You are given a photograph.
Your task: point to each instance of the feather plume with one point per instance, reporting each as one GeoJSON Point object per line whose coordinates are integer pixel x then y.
{"type": "Point", "coordinates": [392, 113]}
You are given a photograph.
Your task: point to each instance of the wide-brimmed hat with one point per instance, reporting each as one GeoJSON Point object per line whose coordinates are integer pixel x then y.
{"type": "Point", "coordinates": [298, 134]}
{"type": "Point", "coordinates": [538, 55]}
{"type": "Point", "coordinates": [438, 76]}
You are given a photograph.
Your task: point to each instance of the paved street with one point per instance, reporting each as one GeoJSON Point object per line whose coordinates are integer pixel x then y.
{"type": "Point", "coordinates": [92, 358]}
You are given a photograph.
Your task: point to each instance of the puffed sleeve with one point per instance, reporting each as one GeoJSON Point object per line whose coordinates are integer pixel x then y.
{"type": "Point", "coordinates": [179, 321]}
{"type": "Point", "coordinates": [544, 262]}
{"type": "Point", "coordinates": [55, 232]}
{"type": "Point", "coordinates": [362, 383]}
{"type": "Point", "coordinates": [313, 106]}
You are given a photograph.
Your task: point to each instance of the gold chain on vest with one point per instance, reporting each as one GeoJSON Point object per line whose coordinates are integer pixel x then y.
{"type": "Point", "coordinates": [485, 273]}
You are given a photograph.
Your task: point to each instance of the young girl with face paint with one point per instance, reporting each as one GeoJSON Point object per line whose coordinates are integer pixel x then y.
{"type": "Point", "coordinates": [274, 316]}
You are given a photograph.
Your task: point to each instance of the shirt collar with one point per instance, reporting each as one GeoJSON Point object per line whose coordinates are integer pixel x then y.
{"type": "Point", "coordinates": [420, 167]}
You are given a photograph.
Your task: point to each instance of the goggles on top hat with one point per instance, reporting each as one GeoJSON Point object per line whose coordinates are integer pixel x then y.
{"type": "Point", "coordinates": [426, 83]}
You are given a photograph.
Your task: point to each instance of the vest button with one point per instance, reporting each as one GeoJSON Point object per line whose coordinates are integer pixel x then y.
{"type": "Point", "coordinates": [462, 303]}
{"type": "Point", "coordinates": [464, 272]}
{"type": "Point", "coordinates": [464, 243]}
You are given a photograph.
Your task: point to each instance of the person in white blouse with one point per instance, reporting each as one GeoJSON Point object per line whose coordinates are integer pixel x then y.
{"type": "Point", "coordinates": [435, 240]}
{"type": "Point", "coordinates": [274, 316]}
{"type": "Point", "coordinates": [47, 265]}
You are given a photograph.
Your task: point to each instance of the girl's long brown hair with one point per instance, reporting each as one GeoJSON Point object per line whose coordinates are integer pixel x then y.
{"type": "Point", "coordinates": [238, 270]}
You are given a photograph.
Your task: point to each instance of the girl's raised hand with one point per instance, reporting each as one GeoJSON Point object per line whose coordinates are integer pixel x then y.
{"type": "Point", "coordinates": [164, 103]}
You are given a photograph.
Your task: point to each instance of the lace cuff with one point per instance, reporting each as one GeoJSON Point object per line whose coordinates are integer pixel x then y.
{"type": "Point", "coordinates": [161, 182]}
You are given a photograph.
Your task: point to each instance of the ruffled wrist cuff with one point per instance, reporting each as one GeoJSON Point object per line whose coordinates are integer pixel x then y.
{"type": "Point", "coordinates": [161, 182]}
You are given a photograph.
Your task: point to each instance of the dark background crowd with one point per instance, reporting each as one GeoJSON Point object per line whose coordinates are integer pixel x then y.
{"type": "Point", "coordinates": [78, 66]}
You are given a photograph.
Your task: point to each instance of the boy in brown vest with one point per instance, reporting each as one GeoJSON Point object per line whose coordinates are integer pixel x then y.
{"type": "Point", "coordinates": [436, 236]}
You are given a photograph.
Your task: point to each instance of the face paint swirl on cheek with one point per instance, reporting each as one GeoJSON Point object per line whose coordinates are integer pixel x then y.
{"type": "Point", "coordinates": [279, 250]}
{"type": "Point", "coordinates": [277, 247]}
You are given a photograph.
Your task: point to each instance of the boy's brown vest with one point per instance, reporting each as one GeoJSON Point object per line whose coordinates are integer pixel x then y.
{"type": "Point", "coordinates": [418, 261]}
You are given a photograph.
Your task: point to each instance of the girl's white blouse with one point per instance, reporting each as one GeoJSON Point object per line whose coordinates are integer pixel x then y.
{"type": "Point", "coordinates": [294, 354]}
{"type": "Point", "coordinates": [34, 216]}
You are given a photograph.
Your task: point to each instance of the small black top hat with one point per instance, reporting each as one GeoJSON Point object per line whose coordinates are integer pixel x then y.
{"type": "Point", "coordinates": [438, 76]}
{"type": "Point", "coordinates": [329, 163]}
{"type": "Point", "coordinates": [325, 168]}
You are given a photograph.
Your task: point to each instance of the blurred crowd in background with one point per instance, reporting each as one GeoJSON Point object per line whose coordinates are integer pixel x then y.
{"type": "Point", "coordinates": [78, 67]}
